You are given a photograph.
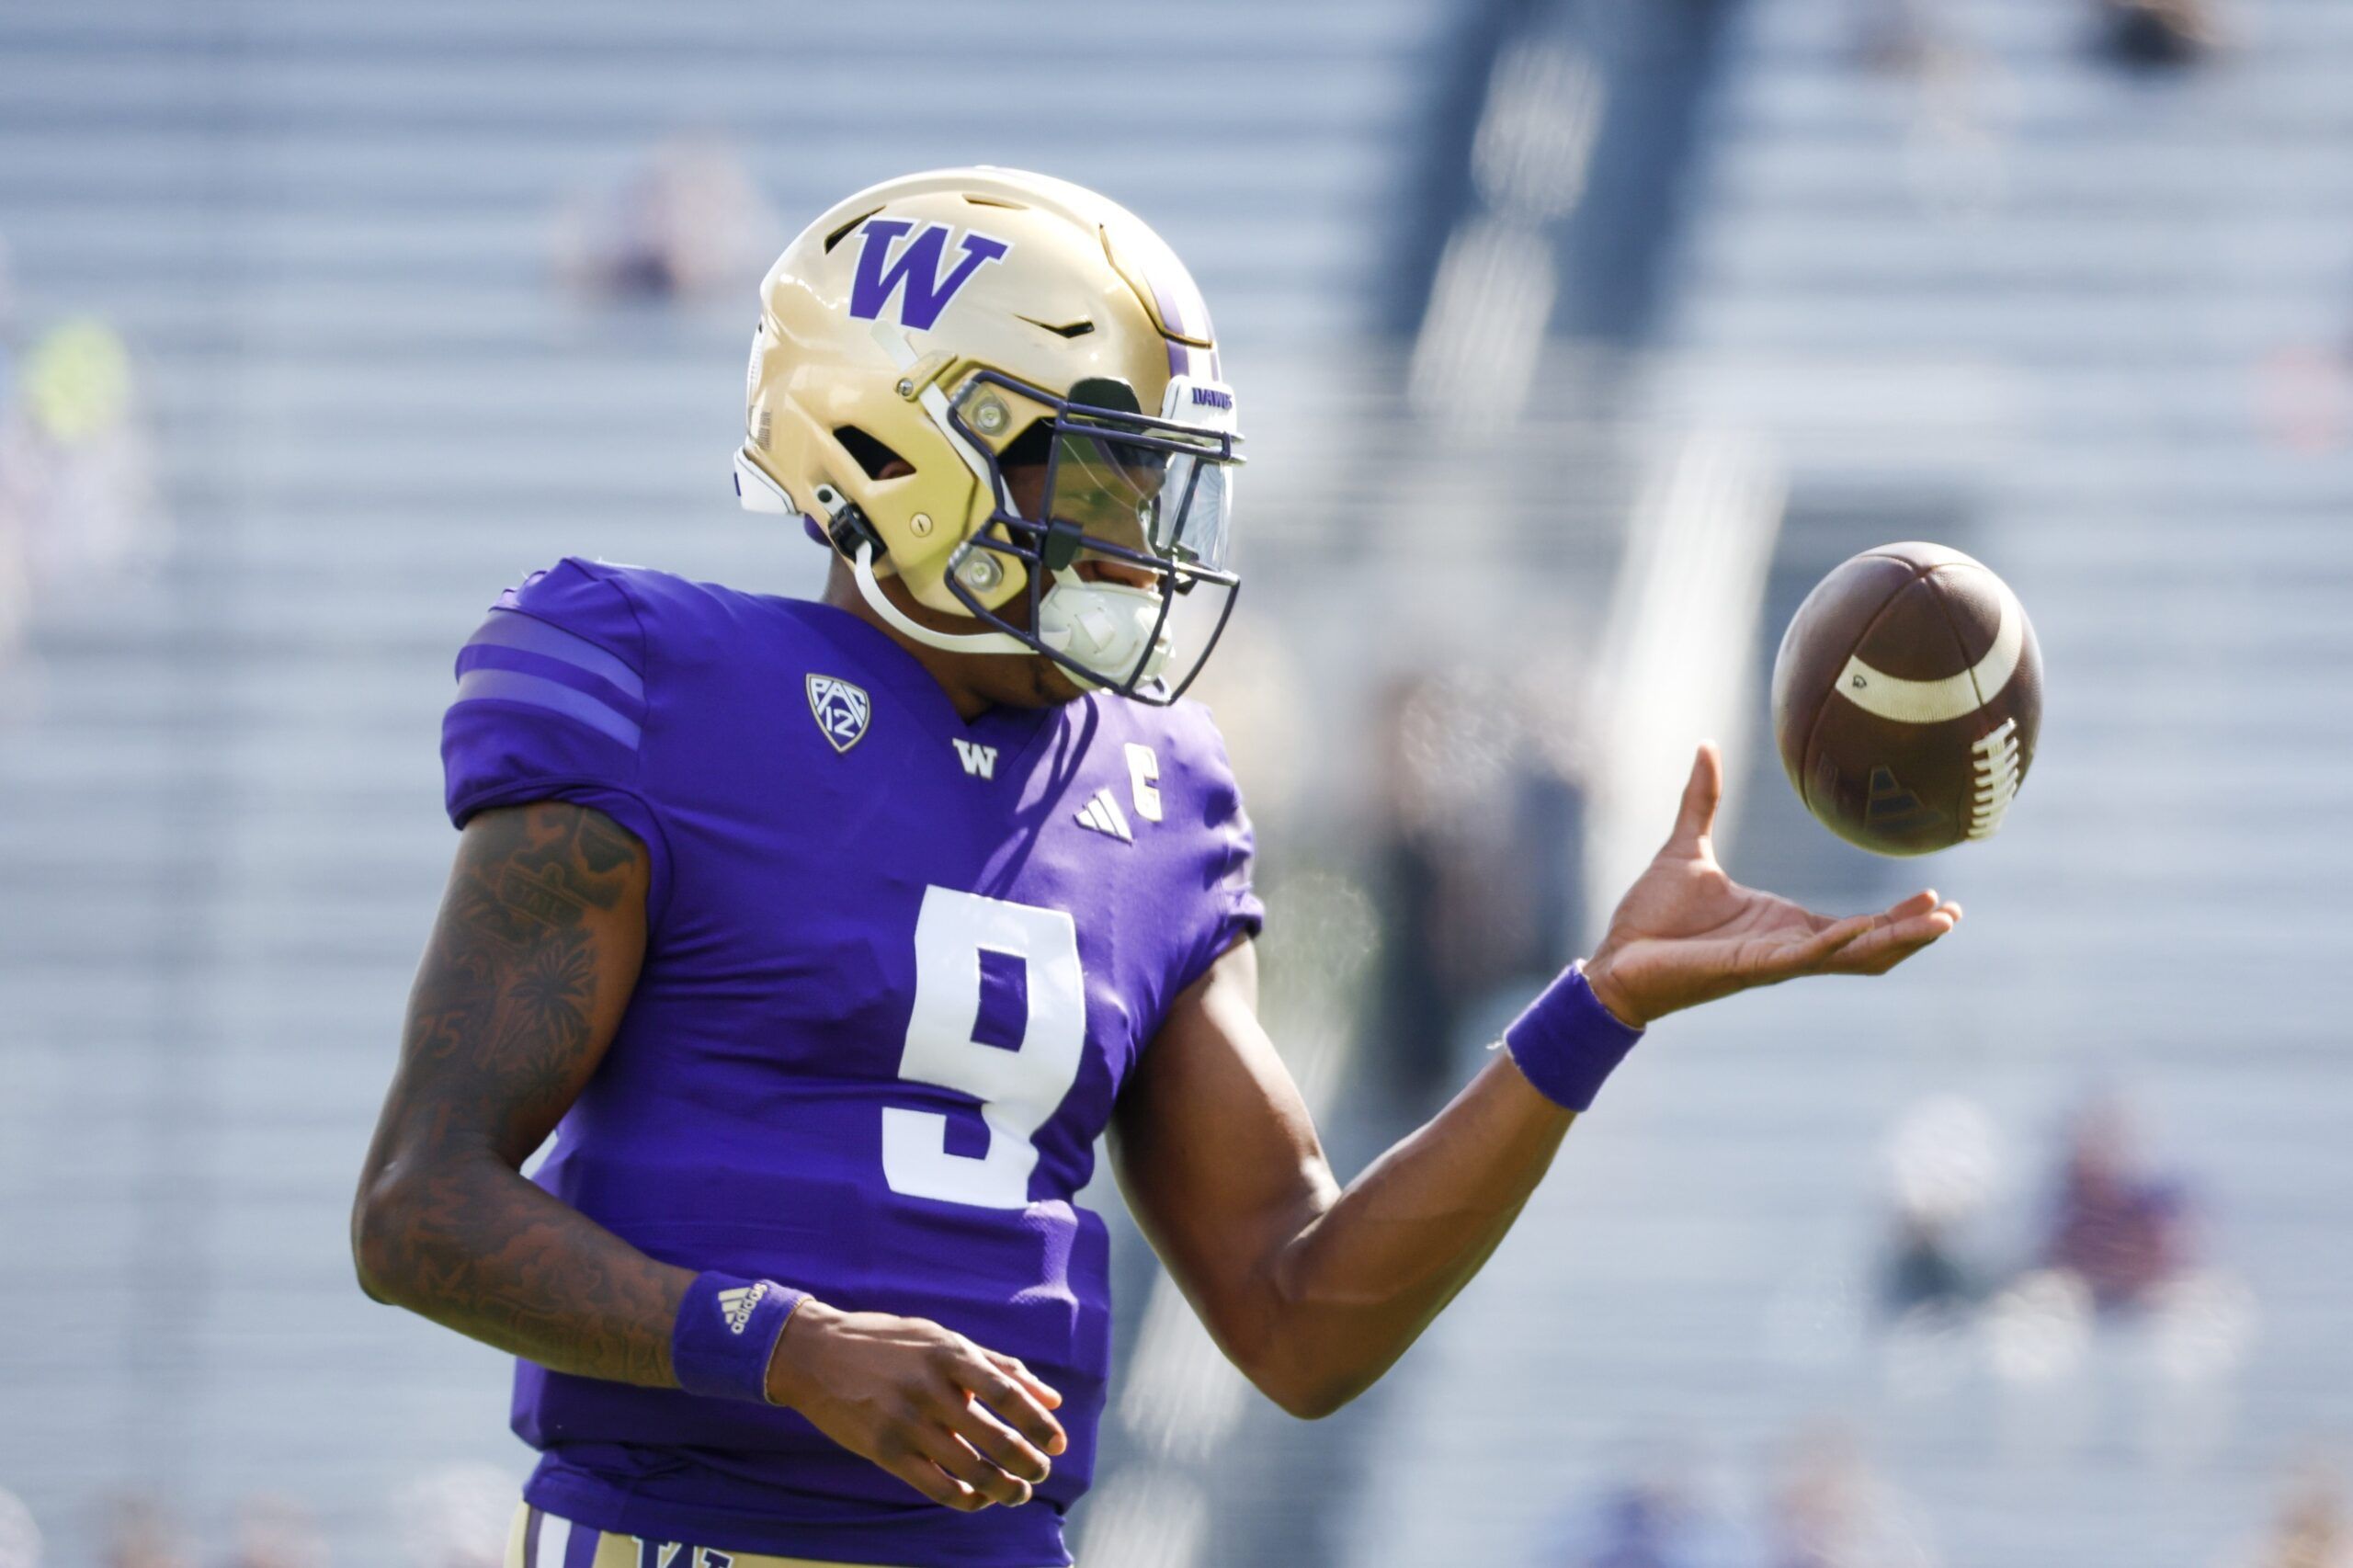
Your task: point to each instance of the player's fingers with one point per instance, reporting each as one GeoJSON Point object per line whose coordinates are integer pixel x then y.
{"type": "Point", "coordinates": [1889, 936]}
{"type": "Point", "coordinates": [1697, 816]}
{"type": "Point", "coordinates": [999, 1444]}
{"type": "Point", "coordinates": [934, 1483]}
{"type": "Point", "coordinates": [1897, 924]}
{"type": "Point", "coordinates": [1824, 946]}
{"type": "Point", "coordinates": [1014, 1367]}
{"type": "Point", "coordinates": [956, 1456]}
{"type": "Point", "coordinates": [1925, 927]}
{"type": "Point", "coordinates": [1019, 1397]}
{"type": "Point", "coordinates": [1918, 903]}
{"type": "Point", "coordinates": [1893, 943]}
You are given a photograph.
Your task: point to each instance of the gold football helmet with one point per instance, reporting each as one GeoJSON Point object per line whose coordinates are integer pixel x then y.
{"type": "Point", "coordinates": [933, 333]}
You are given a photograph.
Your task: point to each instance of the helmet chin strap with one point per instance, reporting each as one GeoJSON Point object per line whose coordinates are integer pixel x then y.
{"type": "Point", "coordinates": [1094, 620]}
{"type": "Point", "coordinates": [870, 589]}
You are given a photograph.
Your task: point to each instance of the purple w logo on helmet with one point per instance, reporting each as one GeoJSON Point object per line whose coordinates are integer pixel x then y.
{"type": "Point", "coordinates": [913, 276]}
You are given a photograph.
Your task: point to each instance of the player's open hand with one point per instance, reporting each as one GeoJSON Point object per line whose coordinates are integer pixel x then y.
{"type": "Point", "coordinates": [1686, 933]}
{"type": "Point", "coordinates": [963, 1426]}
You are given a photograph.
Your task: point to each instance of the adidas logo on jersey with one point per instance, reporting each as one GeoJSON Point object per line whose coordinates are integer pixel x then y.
{"type": "Point", "coordinates": [1103, 814]}
{"type": "Point", "coordinates": [735, 1306]}
{"type": "Point", "coordinates": [979, 761]}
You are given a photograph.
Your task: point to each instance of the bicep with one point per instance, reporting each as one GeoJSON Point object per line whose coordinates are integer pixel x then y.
{"type": "Point", "coordinates": [532, 959]}
{"type": "Point", "coordinates": [1214, 1146]}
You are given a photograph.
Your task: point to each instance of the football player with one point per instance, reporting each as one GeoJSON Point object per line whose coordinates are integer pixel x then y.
{"type": "Point", "coordinates": [826, 938]}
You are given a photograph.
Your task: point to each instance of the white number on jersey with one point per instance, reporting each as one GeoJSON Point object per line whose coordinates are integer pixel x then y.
{"type": "Point", "coordinates": [1018, 1089]}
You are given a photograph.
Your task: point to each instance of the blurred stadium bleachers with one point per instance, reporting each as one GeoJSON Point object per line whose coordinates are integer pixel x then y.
{"type": "Point", "coordinates": [2046, 310]}
{"type": "Point", "coordinates": [2026, 303]}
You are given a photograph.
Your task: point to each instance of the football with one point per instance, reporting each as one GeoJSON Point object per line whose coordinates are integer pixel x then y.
{"type": "Point", "coordinates": [1906, 698]}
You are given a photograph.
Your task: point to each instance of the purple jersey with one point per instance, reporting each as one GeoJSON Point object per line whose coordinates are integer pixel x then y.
{"type": "Point", "coordinates": [898, 967]}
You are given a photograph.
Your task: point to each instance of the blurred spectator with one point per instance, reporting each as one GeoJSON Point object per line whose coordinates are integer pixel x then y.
{"type": "Point", "coordinates": [78, 502]}
{"type": "Point", "coordinates": [1899, 37]}
{"type": "Point", "coordinates": [1650, 1522]}
{"type": "Point", "coordinates": [689, 223]}
{"type": "Point", "coordinates": [77, 493]}
{"type": "Point", "coordinates": [2038, 1329]}
{"type": "Point", "coordinates": [2122, 1229]}
{"type": "Point", "coordinates": [1640, 1527]}
{"type": "Point", "coordinates": [1478, 858]}
{"type": "Point", "coordinates": [2313, 1528]}
{"type": "Point", "coordinates": [2158, 34]}
{"type": "Point", "coordinates": [15, 556]}
{"type": "Point", "coordinates": [1830, 1511]}
{"type": "Point", "coordinates": [1942, 1164]}
{"type": "Point", "coordinates": [78, 462]}
{"type": "Point", "coordinates": [15, 592]}
{"type": "Point", "coordinates": [1924, 1270]}
{"type": "Point", "coordinates": [19, 1537]}
{"type": "Point", "coordinates": [140, 1532]}
{"type": "Point", "coordinates": [273, 1532]}
{"type": "Point", "coordinates": [2200, 1327]}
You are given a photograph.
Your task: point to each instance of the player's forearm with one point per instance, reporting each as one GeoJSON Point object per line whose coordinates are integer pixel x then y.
{"type": "Point", "coordinates": [532, 960]}
{"type": "Point", "coordinates": [1355, 1286]}
{"type": "Point", "coordinates": [476, 1248]}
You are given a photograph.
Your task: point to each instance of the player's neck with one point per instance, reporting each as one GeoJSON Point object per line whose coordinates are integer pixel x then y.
{"type": "Point", "coordinates": [953, 671]}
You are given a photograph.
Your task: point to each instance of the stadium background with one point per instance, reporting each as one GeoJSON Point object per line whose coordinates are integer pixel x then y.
{"type": "Point", "coordinates": [1574, 340]}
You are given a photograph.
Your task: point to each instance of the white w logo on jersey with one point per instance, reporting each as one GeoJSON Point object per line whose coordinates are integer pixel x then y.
{"type": "Point", "coordinates": [979, 761]}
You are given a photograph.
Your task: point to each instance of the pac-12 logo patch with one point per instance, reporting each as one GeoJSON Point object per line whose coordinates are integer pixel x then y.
{"type": "Point", "coordinates": [914, 275]}
{"type": "Point", "coordinates": [842, 709]}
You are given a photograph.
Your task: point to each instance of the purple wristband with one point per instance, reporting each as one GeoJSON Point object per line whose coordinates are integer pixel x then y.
{"type": "Point", "coordinates": [1567, 1043]}
{"type": "Point", "coordinates": [726, 1333]}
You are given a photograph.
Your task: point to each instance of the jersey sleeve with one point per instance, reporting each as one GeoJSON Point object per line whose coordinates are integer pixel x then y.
{"type": "Point", "coordinates": [1233, 908]}
{"type": "Point", "coordinates": [551, 705]}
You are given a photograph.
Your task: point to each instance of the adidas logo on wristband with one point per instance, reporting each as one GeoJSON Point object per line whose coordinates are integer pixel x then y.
{"type": "Point", "coordinates": [735, 1306]}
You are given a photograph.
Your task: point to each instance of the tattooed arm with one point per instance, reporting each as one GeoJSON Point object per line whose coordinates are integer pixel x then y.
{"type": "Point", "coordinates": [532, 961]}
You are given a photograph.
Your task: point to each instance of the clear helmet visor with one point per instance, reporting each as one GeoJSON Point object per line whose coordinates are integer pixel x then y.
{"type": "Point", "coordinates": [1175, 506]}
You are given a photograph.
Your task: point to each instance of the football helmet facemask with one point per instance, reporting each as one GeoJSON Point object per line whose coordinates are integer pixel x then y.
{"type": "Point", "coordinates": [982, 381]}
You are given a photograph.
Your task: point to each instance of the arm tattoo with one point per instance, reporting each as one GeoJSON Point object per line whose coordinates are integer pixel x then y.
{"type": "Point", "coordinates": [532, 962]}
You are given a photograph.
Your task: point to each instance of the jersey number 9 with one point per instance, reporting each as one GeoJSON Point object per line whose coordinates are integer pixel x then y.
{"type": "Point", "coordinates": [1019, 1082]}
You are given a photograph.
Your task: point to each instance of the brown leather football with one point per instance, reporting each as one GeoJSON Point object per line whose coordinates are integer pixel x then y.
{"type": "Point", "coordinates": [1906, 697]}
